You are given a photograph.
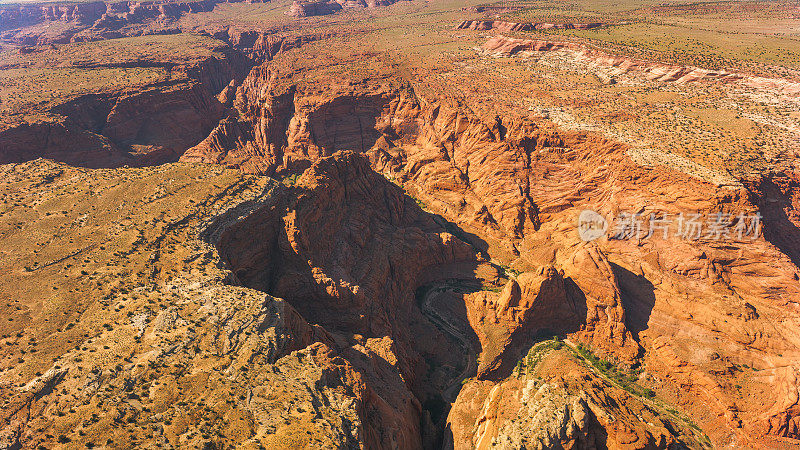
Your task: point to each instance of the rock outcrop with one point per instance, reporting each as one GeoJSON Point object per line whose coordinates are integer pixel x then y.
{"type": "Point", "coordinates": [611, 65]}
{"type": "Point", "coordinates": [143, 125]}
{"type": "Point", "coordinates": [508, 27]}
{"type": "Point", "coordinates": [545, 304]}
{"type": "Point", "coordinates": [504, 46]}
{"type": "Point", "coordinates": [553, 400]}
{"type": "Point", "coordinates": [313, 8]}
{"type": "Point", "coordinates": [348, 253]}
{"type": "Point", "coordinates": [404, 271]}
{"type": "Point", "coordinates": [306, 8]}
{"type": "Point", "coordinates": [512, 188]}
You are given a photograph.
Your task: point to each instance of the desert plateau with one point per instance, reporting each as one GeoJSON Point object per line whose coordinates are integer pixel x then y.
{"type": "Point", "coordinates": [399, 224]}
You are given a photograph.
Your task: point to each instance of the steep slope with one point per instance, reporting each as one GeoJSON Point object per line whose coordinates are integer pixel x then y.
{"type": "Point", "coordinates": [553, 400]}
{"type": "Point", "coordinates": [132, 111]}
{"type": "Point", "coordinates": [513, 188]}
{"type": "Point", "coordinates": [134, 339]}
{"type": "Point", "coordinates": [615, 65]}
{"type": "Point", "coordinates": [348, 252]}
{"type": "Point", "coordinates": [416, 278]}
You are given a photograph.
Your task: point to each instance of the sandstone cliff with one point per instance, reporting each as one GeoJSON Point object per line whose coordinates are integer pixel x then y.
{"type": "Point", "coordinates": [612, 65]}
{"type": "Point", "coordinates": [305, 8]}
{"type": "Point", "coordinates": [138, 125]}
{"type": "Point", "coordinates": [404, 272]}
{"type": "Point", "coordinates": [512, 188]}
{"type": "Point", "coordinates": [170, 342]}
{"type": "Point", "coordinates": [507, 27]}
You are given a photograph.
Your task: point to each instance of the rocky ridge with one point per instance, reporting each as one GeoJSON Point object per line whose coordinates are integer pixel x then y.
{"type": "Point", "coordinates": [507, 27]}
{"type": "Point", "coordinates": [142, 125]}
{"type": "Point", "coordinates": [171, 341]}
{"type": "Point", "coordinates": [304, 8]}
{"type": "Point", "coordinates": [388, 188]}
{"type": "Point", "coordinates": [615, 65]}
{"type": "Point", "coordinates": [505, 184]}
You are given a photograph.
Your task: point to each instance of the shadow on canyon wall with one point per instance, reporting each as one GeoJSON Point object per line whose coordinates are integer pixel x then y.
{"type": "Point", "coordinates": [638, 299]}
{"type": "Point", "coordinates": [350, 256]}
{"type": "Point", "coordinates": [775, 195]}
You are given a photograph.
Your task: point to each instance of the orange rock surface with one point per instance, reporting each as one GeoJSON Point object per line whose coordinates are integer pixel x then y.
{"type": "Point", "coordinates": [340, 236]}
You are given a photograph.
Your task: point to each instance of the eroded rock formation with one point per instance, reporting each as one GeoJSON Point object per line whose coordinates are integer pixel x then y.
{"type": "Point", "coordinates": [615, 65]}
{"type": "Point", "coordinates": [29, 24]}
{"type": "Point", "coordinates": [512, 188]}
{"type": "Point", "coordinates": [148, 125]}
{"type": "Point", "coordinates": [412, 244]}
{"type": "Point", "coordinates": [507, 27]}
{"type": "Point", "coordinates": [305, 8]}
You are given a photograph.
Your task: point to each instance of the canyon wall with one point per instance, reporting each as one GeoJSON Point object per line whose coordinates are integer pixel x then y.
{"type": "Point", "coordinates": [149, 125]}
{"type": "Point", "coordinates": [511, 188]}
{"type": "Point", "coordinates": [507, 27]}
{"type": "Point", "coordinates": [341, 238]}
{"type": "Point", "coordinates": [305, 8]}
{"type": "Point", "coordinates": [611, 65]}
{"type": "Point", "coordinates": [389, 192]}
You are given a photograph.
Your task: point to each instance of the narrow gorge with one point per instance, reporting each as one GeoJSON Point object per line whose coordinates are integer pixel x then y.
{"type": "Point", "coordinates": [311, 225]}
